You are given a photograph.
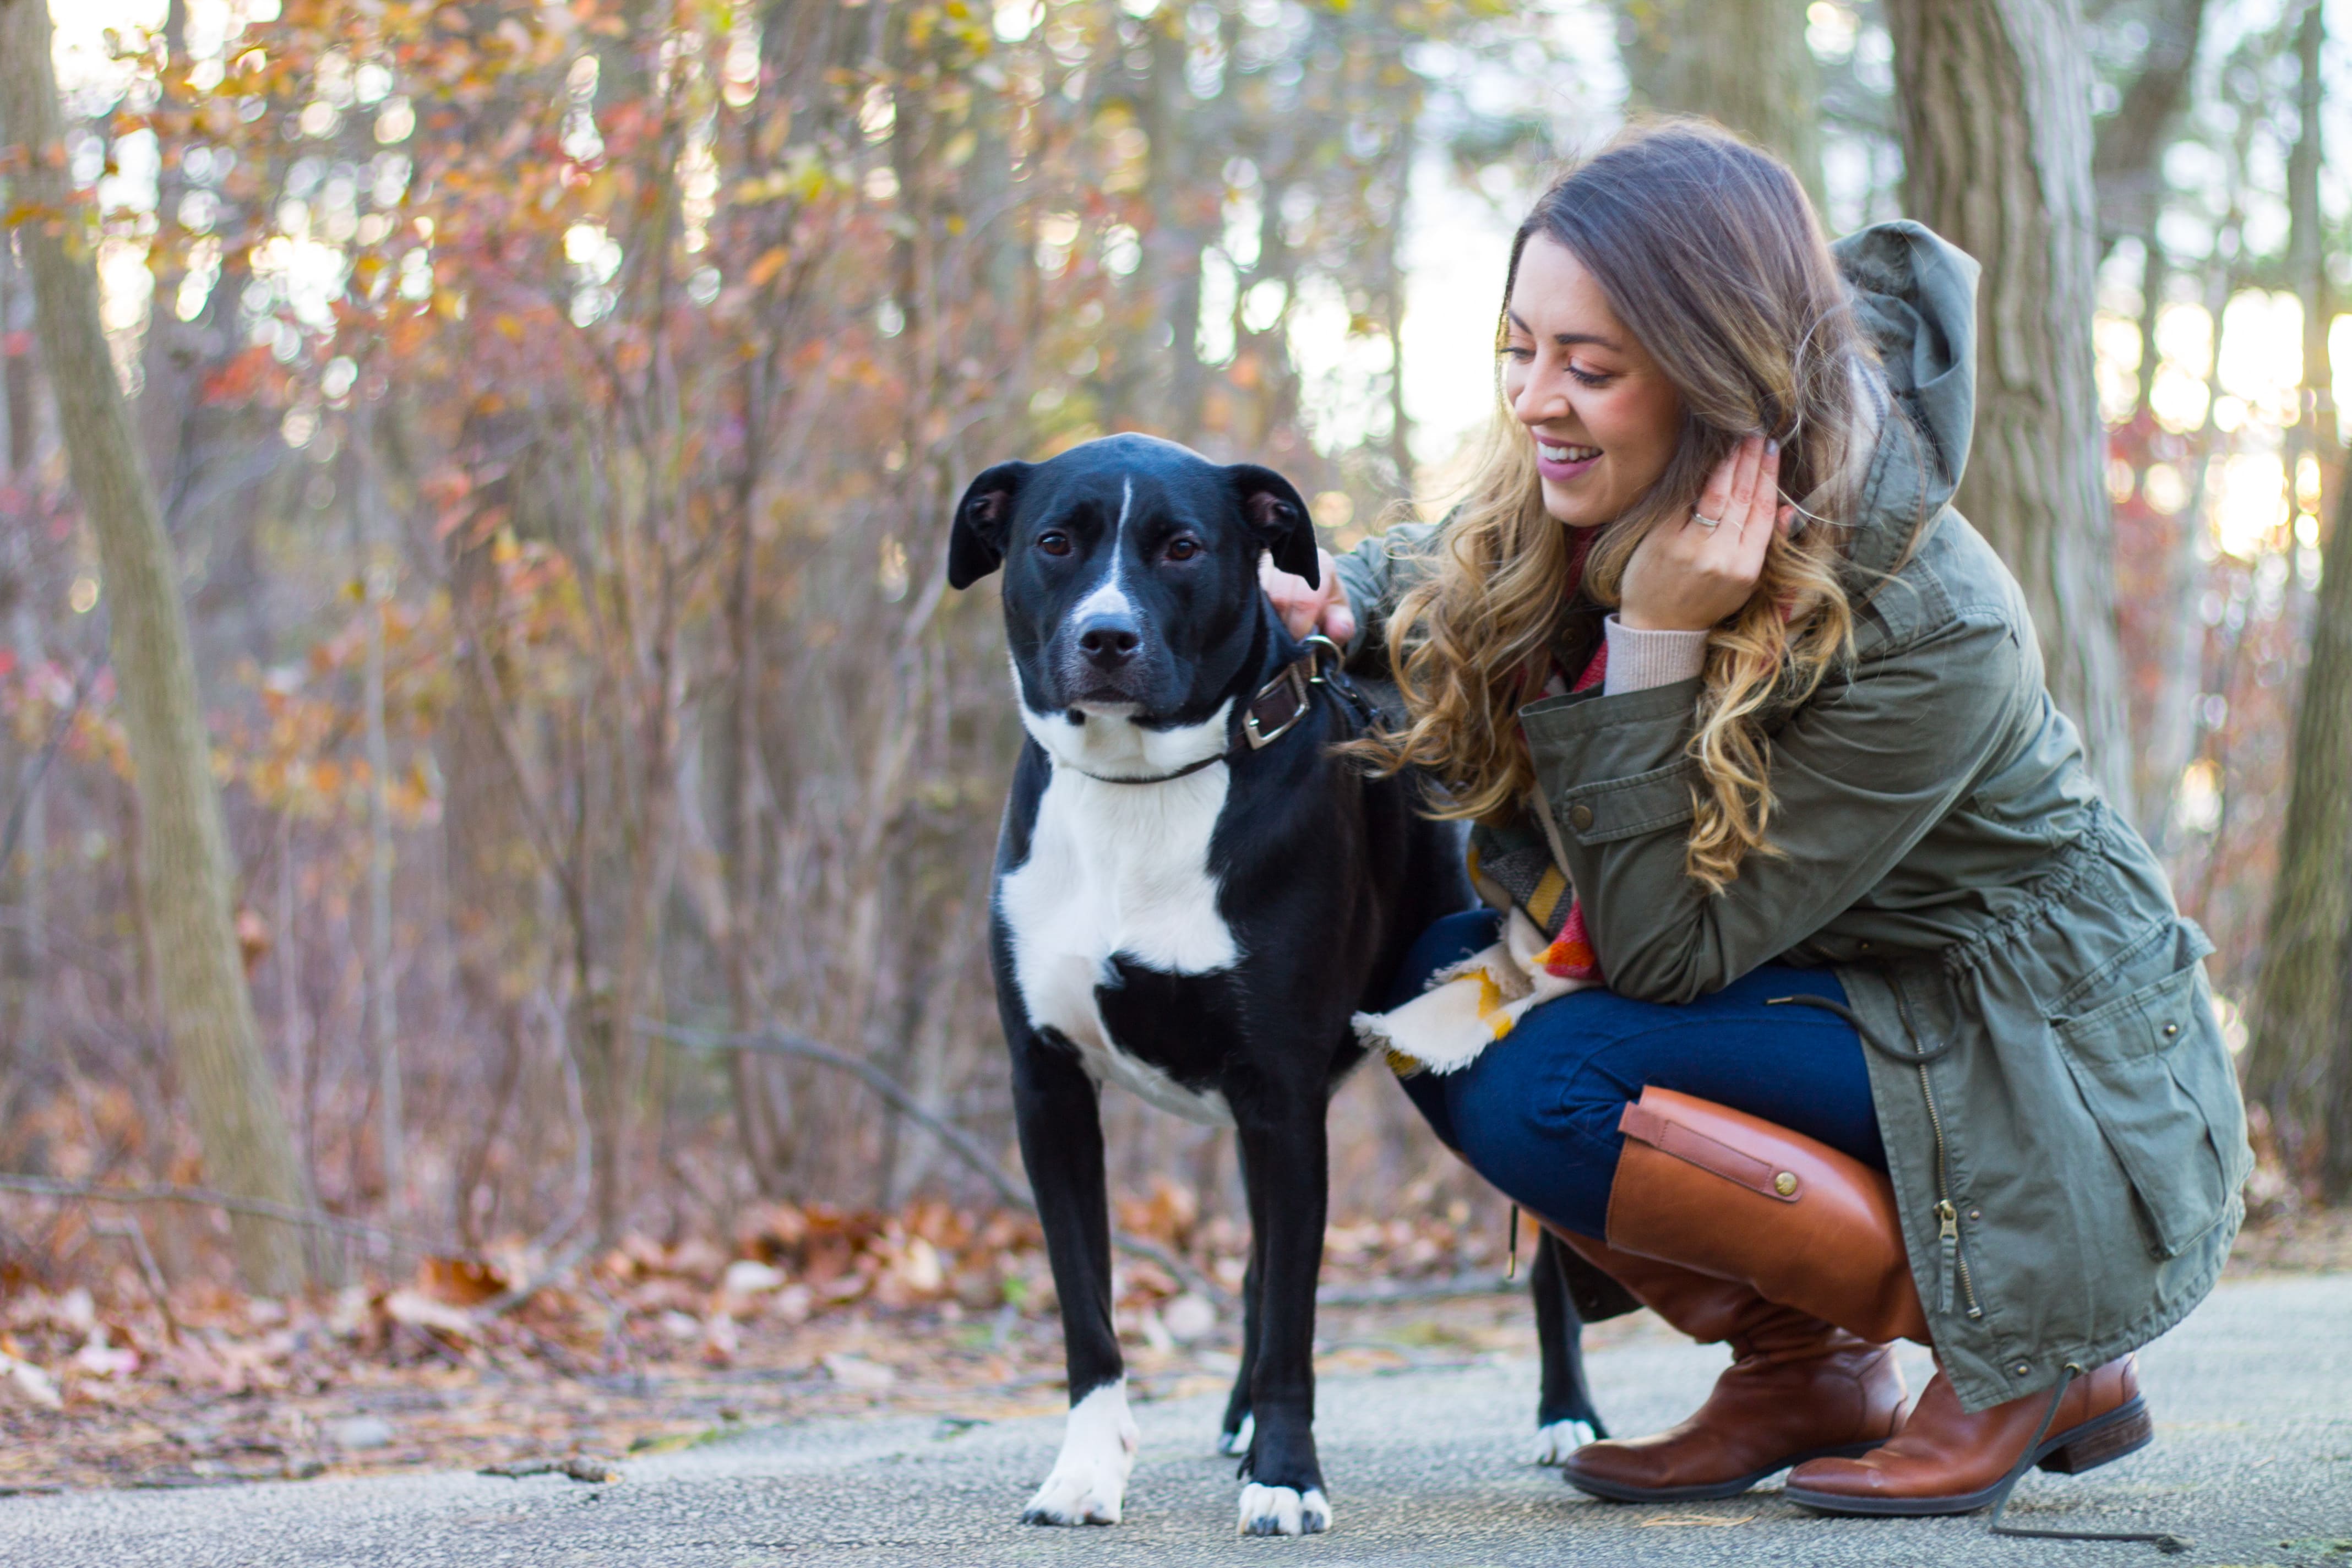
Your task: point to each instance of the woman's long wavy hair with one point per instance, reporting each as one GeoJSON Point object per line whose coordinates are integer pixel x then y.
{"type": "Point", "coordinates": [1709, 254]}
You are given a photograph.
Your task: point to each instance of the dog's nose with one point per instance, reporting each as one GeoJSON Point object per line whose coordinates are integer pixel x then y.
{"type": "Point", "coordinates": [1108, 641]}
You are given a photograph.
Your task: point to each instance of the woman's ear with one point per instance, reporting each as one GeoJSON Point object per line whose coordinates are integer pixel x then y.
{"type": "Point", "coordinates": [1278, 519]}
{"type": "Point", "coordinates": [976, 542]}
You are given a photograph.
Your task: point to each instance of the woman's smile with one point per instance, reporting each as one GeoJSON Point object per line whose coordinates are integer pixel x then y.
{"type": "Point", "coordinates": [1564, 462]}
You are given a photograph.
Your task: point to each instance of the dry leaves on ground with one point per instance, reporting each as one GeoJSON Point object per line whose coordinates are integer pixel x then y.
{"type": "Point", "coordinates": [802, 1311]}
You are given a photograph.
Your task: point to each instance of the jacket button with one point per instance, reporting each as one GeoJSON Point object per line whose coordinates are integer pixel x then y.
{"type": "Point", "coordinates": [1785, 1183]}
{"type": "Point", "coordinates": [2022, 1368]}
{"type": "Point", "coordinates": [2170, 1030]}
{"type": "Point", "coordinates": [1975, 1214]}
{"type": "Point", "coordinates": [1580, 816]}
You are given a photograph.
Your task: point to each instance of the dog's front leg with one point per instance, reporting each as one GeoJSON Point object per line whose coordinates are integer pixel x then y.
{"type": "Point", "coordinates": [1056, 1105]}
{"type": "Point", "coordinates": [1284, 1165]}
{"type": "Point", "coordinates": [1234, 1433]}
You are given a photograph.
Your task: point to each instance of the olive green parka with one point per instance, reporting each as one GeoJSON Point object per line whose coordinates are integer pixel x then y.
{"type": "Point", "coordinates": [2061, 1115]}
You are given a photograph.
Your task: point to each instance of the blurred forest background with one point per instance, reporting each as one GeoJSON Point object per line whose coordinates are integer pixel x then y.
{"type": "Point", "coordinates": [551, 415]}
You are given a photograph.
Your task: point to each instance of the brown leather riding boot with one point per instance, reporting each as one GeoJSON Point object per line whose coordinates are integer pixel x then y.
{"type": "Point", "coordinates": [1731, 1194]}
{"type": "Point", "coordinates": [1946, 1460]}
{"type": "Point", "coordinates": [1797, 1389]}
{"type": "Point", "coordinates": [1713, 1189]}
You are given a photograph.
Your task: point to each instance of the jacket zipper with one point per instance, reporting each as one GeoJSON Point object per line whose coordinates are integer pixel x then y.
{"type": "Point", "coordinates": [1955, 1270]}
{"type": "Point", "coordinates": [1947, 1218]}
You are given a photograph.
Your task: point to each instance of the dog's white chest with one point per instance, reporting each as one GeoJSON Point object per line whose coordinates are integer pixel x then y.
{"type": "Point", "coordinates": [1117, 868]}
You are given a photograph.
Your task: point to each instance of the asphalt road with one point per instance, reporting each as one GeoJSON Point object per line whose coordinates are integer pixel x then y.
{"type": "Point", "coordinates": [2253, 1461]}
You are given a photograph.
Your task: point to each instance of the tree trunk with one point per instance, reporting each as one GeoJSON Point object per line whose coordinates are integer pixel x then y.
{"type": "Point", "coordinates": [2176, 731]}
{"type": "Point", "coordinates": [246, 1147]}
{"type": "Point", "coordinates": [1743, 62]}
{"type": "Point", "coordinates": [2315, 431]}
{"type": "Point", "coordinates": [19, 404]}
{"type": "Point", "coordinates": [1171, 248]}
{"type": "Point", "coordinates": [2335, 1167]}
{"type": "Point", "coordinates": [2126, 165]}
{"type": "Point", "coordinates": [2301, 987]}
{"type": "Point", "coordinates": [28, 952]}
{"type": "Point", "coordinates": [2299, 993]}
{"type": "Point", "coordinates": [171, 352]}
{"type": "Point", "coordinates": [1996, 104]}
{"type": "Point", "coordinates": [764, 1135]}
{"type": "Point", "coordinates": [375, 577]}
{"type": "Point", "coordinates": [495, 915]}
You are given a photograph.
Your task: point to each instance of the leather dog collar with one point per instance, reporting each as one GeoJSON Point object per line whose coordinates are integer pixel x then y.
{"type": "Point", "coordinates": [1272, 713]}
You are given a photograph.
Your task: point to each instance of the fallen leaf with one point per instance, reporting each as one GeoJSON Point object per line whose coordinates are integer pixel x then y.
{"type": "Point", "coordinates": [1189, 1317]}
{"type": "Point", "coordinates": [459, 1281]}
{"type": "Point", "coordinates": [856, 1371]}
{"type": "Point", "coordinates": [420, 1310]}
{"type": "Point", "coordinates": [360, 1432]}
{"type": "Point", "coordinates": [748, 1276]}
{"type": "Point", "coordinates": [21, 1380]}
{"type": "Point", "coordinates": [100, 1359]}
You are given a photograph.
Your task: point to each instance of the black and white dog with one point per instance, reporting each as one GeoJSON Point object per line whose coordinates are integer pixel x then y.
{"type": "Point", "coordinates": [1192, 895]}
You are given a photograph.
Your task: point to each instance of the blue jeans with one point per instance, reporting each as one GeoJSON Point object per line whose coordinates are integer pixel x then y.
{"type": "Point", "coordinates": [1536, 1114]}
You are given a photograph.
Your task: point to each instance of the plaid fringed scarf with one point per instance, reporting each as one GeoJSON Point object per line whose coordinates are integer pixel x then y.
{"type": "Point", "coordinates": [1544, 952]}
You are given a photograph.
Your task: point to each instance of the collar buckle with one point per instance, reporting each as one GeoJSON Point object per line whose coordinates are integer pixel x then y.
{"type": "Point", "coordinates": [1263, 722]}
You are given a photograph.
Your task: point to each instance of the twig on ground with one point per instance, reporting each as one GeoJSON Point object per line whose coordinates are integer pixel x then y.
{"type": "Point", "coordinates": [203, 1197]}
{"type": "Point", "coordinates": [507, 1301]}
{"type": "Point", "coordinates": [127, 1228]}
{"type": "Point", "coordinates": [784, 1043]}
{"type": "Point", "coordinates": [592, 1471]}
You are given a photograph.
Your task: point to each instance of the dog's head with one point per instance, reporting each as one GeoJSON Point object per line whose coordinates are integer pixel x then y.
{"type": "Point", "coordinates": [1130, 573]}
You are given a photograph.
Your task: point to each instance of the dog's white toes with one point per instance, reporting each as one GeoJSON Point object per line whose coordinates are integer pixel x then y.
{"type": "Point", "coordinates": [1075, 1499]}
{"type": "Point", "coordinates": [1280, 1510]}
{"type": "Point", "coordinates": [1556, 1442]}
{"type": "Point", "coordinates": [1235, 1444]}
{"type": "Point", "coordinates": [1088, 1483]}
{"type": "Point", "coordinates": [1084, 1489]}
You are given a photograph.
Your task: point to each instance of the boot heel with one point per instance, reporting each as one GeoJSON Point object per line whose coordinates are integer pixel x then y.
{"type": "Point", "coordinates": [2126, 1431]}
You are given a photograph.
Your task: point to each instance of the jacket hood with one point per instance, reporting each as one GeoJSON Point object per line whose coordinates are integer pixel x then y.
{"type": "Point", "coordinates": [1914, 295]}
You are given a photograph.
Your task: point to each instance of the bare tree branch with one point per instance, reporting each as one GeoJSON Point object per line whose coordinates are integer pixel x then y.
{"type": "Point", "coordinates": [783, 1043]}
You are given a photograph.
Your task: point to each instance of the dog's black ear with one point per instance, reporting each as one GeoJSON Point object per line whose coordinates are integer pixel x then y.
{"type": "Point", "coordinates": [976, 543]}
{"type": "Point", "coordinates": [1279, 519]}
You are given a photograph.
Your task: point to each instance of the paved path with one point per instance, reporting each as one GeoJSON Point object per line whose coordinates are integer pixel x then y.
{"type": "Point", "coordinates": [2254, 1461]}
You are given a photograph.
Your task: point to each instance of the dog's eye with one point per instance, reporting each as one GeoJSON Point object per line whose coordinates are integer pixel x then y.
{"type": "Point", "coordinates": [1054, 544]}
{"type": "Point", "coordinates": [1182, 548]}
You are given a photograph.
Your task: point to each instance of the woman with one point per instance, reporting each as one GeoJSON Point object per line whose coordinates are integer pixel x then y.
{"type": "Point", "coordinates": [1823, 1001]}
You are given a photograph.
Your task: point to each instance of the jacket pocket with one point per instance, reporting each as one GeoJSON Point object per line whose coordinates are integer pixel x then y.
{"type": "Point", "coordinates": [1629, 807]}
{"type": "Point", "coordinates": [2153, 1070]}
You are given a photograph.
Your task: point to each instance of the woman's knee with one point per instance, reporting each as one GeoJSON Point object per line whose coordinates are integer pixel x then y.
{"type": "Point", "coordinates": [1514, 1124]}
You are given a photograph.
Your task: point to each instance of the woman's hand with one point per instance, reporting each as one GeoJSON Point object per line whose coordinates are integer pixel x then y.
{"type": "Point", "coordinates": [1303, 609]}
{"type": "Point", "coordinates": [1688, 577]}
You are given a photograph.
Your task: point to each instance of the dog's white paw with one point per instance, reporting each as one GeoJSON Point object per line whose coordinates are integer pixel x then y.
{"type": "Point", "coordinates": [1280, 1510]}
{"type": "Point", "coordinates": [1237, 1443]}
{"type": "Point", "coordinates": [1088, 1483]}
{"type": "Point", "coordinates": [1556, 1442]}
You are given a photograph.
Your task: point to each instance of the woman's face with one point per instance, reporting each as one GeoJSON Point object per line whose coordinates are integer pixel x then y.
{"type": "Point", "coordinates": [1603, 417]}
